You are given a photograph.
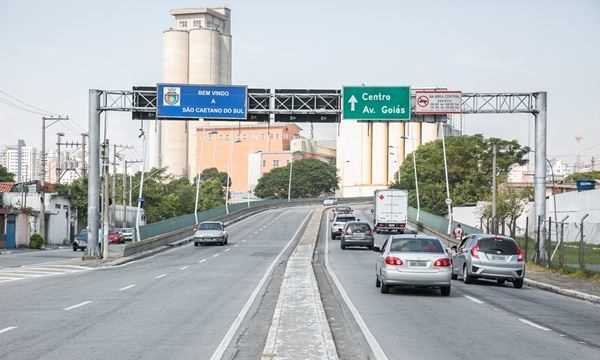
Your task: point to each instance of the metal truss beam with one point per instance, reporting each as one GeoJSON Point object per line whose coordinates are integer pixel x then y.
{"type": "Point", "coordinates": [318, 102]}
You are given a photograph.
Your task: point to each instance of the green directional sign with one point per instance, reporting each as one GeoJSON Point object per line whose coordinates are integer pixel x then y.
{"type": "Point", "coordinates": [377, 103]}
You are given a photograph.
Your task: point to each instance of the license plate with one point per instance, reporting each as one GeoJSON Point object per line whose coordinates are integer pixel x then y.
{"type": "Point", "coordinates": [499, 258]}
{"type": "Point", "coordinates": [417, 263]}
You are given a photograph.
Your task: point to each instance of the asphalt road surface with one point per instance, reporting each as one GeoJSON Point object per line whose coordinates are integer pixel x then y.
{"type": "Point", "coordinates": [478, 321]}
{"type": "Point", "coordinates": [177, 305]}
{"type": "Point", "coordinates": [27, 257]}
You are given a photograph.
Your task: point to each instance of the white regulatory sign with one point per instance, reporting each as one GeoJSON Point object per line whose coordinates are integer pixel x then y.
{"type": "Point", "coordinates": [437, 102]}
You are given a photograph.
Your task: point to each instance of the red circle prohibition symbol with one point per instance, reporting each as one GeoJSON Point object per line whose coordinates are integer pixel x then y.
{"type": "Point", "coordinates": [423, 101]}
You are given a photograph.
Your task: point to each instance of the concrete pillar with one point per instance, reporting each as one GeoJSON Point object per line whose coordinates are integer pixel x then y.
{"type": "Point", "coordinates": [175, 70]}
{"type": "Point", "coordinates": [379, 156]}
{"type": "Point", "coordinates": [366, 151]}
{"type": "Point", "coordinates": [396, 147]}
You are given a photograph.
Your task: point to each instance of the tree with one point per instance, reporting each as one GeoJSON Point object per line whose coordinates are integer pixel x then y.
{"type": "Point", "coordinates": [211, 194]}
{"type": "Point", "coordinates": [77, 192]}
{"type": "Point", "coordinates": [310, 178]}
{"type": "Point", "coordinates": [510, 204]}
{"type": "Point", "coordinates": [214, 173]}
{"type": "Point", "coordinates": [5, 175]}
{"type": "Point", "coordinates": [469, 170]}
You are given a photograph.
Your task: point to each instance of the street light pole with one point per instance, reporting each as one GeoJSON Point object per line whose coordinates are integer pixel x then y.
{"type": "Point", "coordinates": [494, 225]}
{"type": "Point", "coordinates": [43, 171]}
{"type": "Point", "coordinates": [448, 199]}
{"type": "Point", "coordinates": [290, 180]}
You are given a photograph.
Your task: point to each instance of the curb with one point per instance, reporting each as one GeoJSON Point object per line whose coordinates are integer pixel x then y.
{"type": "Point", "coordinates": [562, 291]}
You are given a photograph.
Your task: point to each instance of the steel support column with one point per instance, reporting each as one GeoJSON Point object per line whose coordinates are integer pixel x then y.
{"type": "Point", "coordinates": [540, 170]}
{"type": "Point", "coordinates": [93, 171]}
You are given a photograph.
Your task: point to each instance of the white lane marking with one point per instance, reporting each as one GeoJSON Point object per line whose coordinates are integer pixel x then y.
{"type": "Point", "coordinates": [127, 287]}
{"type": "Point", "coordinates": [201, 261]}
{"type": "Point", "coordinates": [236, 245]}
{"type": "Point", "coordinates": [77, 305]}
{"type": "Point", "coordinates": [244, 240]}
{"type": "Point", "coordinates": [160, 276]}
{"type": "Point", "coordinates": [475, 300]}
{"type": "Point", "coordinates": [224, 344]}
{"type": "Point", "coordinates": [7, 329]}
{"type": "Point", "coordinates": [216, 255]}
{"type": "Point", "coordinates": [178, 248]}
{"type": "Point", "coordinates": [373, 344]}
{"type": "Point", "coordinates": [227, 250]}
{"type": "Point", "coordinates": [531, 323]}
{"type": "Point", "coordinates": [184, 267]}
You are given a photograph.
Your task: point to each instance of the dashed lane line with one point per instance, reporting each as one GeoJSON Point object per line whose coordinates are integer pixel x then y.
{"type": "Point", "coordinates": [201, 261]}
{"type": "Point", "coordinates": [184, 267]}
{"type": "Point", "coordinates": [531, 323]}
{"type": "Point", "coordinates": [127, 287]}
{"type": "Point", "coordinates": [160, 276]}
{"type": "Point", "coordinates": [227, 250]}
{"type": "Point", "coordinates": [7, 329]}
{"type": "Point", "coordinates": [69, 308]}
{"type": "Point", "coordinates": [475, 300]}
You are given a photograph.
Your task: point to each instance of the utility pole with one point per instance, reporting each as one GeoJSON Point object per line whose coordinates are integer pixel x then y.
{"type": "Point", "coordinates": [105, 198]}
{"type": "Point", "coordinates": [58, 160]}
{"type": "Point", "coordinates": [125, 164]}
{"type": "Point", "coordinates": [83, 167]}
{"type": "Point", "coordinates": [197, 196]}
{"type": "Point", "coordinates": [448, 199]}
{"type": "Point", "coordinates": [494, 225]}
{"type": "Point", "coordinates": [54, 120]}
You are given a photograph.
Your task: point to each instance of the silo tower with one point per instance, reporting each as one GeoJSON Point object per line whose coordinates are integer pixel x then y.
{"type": "Point", "coordinates": [197, 50]}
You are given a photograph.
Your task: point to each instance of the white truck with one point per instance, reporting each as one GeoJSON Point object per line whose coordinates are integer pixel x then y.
{"type": "Point", "coordinates": [391, 210]}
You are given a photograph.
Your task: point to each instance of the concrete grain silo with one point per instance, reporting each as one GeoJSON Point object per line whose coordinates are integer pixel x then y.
{"type": "Point", "coordinates": [197, 50]}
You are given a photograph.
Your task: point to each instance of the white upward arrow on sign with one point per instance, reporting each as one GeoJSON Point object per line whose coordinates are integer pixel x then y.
{"type": "Point", "coordinates": [352, 101]}
{"type": "Point", "coordinates": [213, 101]}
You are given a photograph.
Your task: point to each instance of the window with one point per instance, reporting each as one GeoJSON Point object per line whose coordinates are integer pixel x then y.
{"type": "Point", "coordinates": [275, 163]}
{"type": "Point", "coordinates": [196, 24]}
{"type": "Point", "coordinates": [210, 226]}
{"type": "Point", "coordinates": [57, 206]}
{"type": "Point", "coordinates": [500, 246]}
{"type": "Point", "coordinates": [416, 245]}
{"type": "Point", "coordinates": [183, 23]}
{"type": "Point", "coordinates": [66, 207]}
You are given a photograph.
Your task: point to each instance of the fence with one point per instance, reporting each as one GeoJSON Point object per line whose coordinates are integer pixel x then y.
{"type": "Point", "coordinates": [437, 223]}
{"type": "Point", "coordinates": [178, 222]}
{"type": "Point", "coordinates": [568, 245]}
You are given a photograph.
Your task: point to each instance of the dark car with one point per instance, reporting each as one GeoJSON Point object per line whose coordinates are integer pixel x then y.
{"type": "Point", "coordinates": [81, 240]}
{"type": "Point", "coordinates": [357, 233]}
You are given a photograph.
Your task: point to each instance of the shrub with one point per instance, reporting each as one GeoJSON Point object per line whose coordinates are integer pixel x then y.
{"type": "Point", "coordinates": [36, 241]}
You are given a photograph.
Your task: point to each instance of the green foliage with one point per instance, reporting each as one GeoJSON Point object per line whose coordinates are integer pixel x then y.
{"type": "Point", "coordinates": [589, 175]}
{"type": "Point", "coordinates": [469, 170]}
{"type": "Point", "coordinates": [77, 193]}
{"type": "Point", "coordinates": [310, 178]}
{"type": "Point", "coordinates": [211, 194]}
{"type": "Point", "coordinates": [164, 195]}
{"type": "Point", "coordinates": [214, 173]}
{"type": "Point", "coordinates": [36, 241]}
{"type": "Point", "coordinates": [510, 204]}
{"type": "Point", "coordinates": [5, 175]}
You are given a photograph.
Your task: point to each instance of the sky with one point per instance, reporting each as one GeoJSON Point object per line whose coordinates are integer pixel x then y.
{"type": "Point", "coordinates": [54, 51]}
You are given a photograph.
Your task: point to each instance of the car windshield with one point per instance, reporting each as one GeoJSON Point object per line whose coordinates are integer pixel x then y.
{"type": "Point", "coordinates": [359, 228]}
{"type": "Point", "coordinates": [343, 209]}
{"type": "Point", "coordinates": [210, 226]}
{"type": "Point", "coordinates": [344, 219]}
{"type": "Point", "coordinates": [502, 246]}
{"type": "Point", "coordinates": [416, 245]}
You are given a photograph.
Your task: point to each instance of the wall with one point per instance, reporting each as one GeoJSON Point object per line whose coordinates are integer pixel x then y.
{"type": "Point", "coordinates": [215, 150]}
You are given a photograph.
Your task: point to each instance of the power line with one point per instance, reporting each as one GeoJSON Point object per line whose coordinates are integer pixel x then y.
{"type": "Point", "coordinates": [17, 106]}
{"type": "Point", "coordinates": [37, 108]}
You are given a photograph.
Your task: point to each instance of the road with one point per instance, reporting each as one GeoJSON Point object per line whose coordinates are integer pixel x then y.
{"type": "Point", "coordinates": [180, 304]}
{"type": "Point", "coordinates": [27, 257]}
{"type": "Point", "coordinates": [478, 321]}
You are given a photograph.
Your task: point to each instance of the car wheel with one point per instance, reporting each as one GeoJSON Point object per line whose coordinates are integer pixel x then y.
{"type": "Point", "coordinates": [377, 282]}
{"type": "Point", "coordinates": [226, 239]}
{"type": "Point", "coordinates": [467, 279]}
{"type": "Point", "coordinates": [196, 244]}
{"type": "Point", "coordinates": [370, 247]}
{"type": "Point", "coordinates": [453, 275]}
{"type": "Point", "coordinates": [342, 245]}
{"type": "Point", "coordinates": [445, 290]}
{"type": "Point", "coordinates": [500, 281]}
{"type": "Point", "coordinates": [332, 236]}
{"type": "Point", "coordinates": [74, 247]}
{"type": "Point", "coordinates": [518, 283]}
{"type": "Point", "coordinates": [385, 289]}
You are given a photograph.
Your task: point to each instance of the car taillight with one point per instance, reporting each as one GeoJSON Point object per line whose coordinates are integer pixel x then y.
{"type": "Point", "coordinates": [443, 262]}
{"type": "Point", "coordinates": [475, 251]}
{"type": "Point", "coordinates": [520, 254]}
{"type": "Point", "coordinates": [393, 260]}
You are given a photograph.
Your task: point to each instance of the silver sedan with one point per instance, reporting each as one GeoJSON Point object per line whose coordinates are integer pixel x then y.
{"type": "Point", "coordinates": [413, 260]}
{"type": "Point", "coordinates": [211, 232]}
